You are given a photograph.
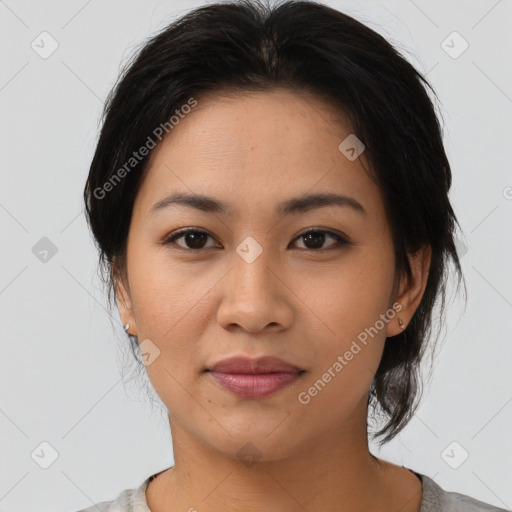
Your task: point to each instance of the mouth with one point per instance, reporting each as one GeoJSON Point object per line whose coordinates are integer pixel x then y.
{"type": "Point", "coordinates": [255, 385]}
{"type": "Point", "coordinates": [254, 378]}
{"type": "Point", "coordinates": [248, 365]}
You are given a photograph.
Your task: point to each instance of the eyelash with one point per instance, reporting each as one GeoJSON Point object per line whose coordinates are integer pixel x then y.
{"type": "Point", "coordinates": [339, 238]}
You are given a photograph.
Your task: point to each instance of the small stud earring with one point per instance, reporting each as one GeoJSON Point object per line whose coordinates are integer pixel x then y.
{"type": "Point", "coordinates": [126, 327]}
{"type": "Point", "coordinates": [401, 323]}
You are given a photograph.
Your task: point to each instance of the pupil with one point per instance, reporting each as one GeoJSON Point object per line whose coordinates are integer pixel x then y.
{"type": "Point", "coordinates": [192, 240]}
{"type": "Point", "coordinates": [316, 237]}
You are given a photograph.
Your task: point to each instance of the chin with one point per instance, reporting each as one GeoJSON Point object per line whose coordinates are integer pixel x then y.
{"type": "Point", "coordinates": [252, 446]}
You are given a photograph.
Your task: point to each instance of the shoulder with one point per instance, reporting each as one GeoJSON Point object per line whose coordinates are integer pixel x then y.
{"type": "Point", "coordinates": [436, 499]}
{"type": "Point", "coordinates": [104, 506]}
{"type": "Point", "coordinates": [129, 500]}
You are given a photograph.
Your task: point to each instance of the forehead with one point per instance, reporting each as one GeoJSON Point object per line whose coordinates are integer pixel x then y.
{"type": "Point", "coordinates": [257, 147]}
{"type": "Point", "coordinates": [268, 125]}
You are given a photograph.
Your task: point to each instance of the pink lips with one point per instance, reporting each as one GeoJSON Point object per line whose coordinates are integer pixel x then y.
{"type": "Point", "coordinates": [254, 378]}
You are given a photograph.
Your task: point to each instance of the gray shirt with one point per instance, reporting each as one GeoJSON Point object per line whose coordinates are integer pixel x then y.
{"type": "Point", "coordinates": [434, 499]}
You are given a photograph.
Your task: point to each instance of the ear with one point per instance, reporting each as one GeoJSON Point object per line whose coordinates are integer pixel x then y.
{"type": "Point", "coordinates": [411, 290]}
{"type": "Point", "coordinates": [123, 298]}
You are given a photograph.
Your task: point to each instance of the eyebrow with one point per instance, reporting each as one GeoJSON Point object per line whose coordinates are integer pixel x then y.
{"type": "Point", "coordinates": [295, 205]}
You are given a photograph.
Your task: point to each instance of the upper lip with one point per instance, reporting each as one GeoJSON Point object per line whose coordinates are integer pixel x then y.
{"type": "Point", "coordinates": [245, 364]}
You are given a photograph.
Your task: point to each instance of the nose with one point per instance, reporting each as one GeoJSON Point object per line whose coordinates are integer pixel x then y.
{"type": "Point", "coordinates": [255, 296]}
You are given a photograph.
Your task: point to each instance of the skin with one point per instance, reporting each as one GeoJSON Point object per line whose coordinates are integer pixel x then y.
{"type": "Point", "coordinates": [254, 150]}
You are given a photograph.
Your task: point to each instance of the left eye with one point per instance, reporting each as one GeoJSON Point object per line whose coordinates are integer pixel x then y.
{"type": "Point", "coordinates": [313, 238]}
{"type": "Point", "coordinates": [317, 237]}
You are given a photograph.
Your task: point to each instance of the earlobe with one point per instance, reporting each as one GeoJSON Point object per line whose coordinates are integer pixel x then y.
{"type": "Point", "coordinates": [411, 290]}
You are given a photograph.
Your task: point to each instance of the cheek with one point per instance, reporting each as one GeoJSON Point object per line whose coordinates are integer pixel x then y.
{"type": "Point", "coordinates": [337, 388]}
{"type": "Point", "coordinates": [170, 308]}
{"type": "Point", "coordinates": [347, 353]}
{"type": "Point", "coordinates": [177, 328]}
{"type": "Point", "coordinates": [347, 296]}
{"type": "Point", "coordinates": [163, 291]}
{"type": "Point", "coordinates": [348, 303]}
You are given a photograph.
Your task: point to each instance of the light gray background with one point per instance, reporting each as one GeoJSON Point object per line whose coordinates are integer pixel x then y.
{"type": "Point", "coordinates": [61, 366]}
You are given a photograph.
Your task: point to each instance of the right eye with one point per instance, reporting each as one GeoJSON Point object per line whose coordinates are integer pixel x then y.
{"type": "Point", "coordinates": [193, 238]}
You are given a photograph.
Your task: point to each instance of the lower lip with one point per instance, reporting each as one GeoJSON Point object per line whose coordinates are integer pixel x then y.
{"type": "Point", "coordinates": [259, 385]}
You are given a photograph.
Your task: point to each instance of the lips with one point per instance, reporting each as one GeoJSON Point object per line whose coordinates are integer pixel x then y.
{"type": "Point", "coordinates": [247, 365]}
{"type": "Point", "coordinates": [250, 378]}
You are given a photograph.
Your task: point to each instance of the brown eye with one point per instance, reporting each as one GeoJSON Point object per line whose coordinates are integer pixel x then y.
{"type": "Point", "coordinates": [193, 239]}
{"type": "Point", "coordinates": [314, 239]}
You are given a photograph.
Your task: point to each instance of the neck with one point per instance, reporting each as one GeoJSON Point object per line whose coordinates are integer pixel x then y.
{"type": "Point", "coordinates": [336, 472]}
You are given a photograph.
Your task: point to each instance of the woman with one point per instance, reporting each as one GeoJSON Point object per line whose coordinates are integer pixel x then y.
{"type": "Point", "coordinates": [269, 195]}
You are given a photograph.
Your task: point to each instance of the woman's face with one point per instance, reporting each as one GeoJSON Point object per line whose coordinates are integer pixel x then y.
{"type": "Point", "coordinates": [250, 283]}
